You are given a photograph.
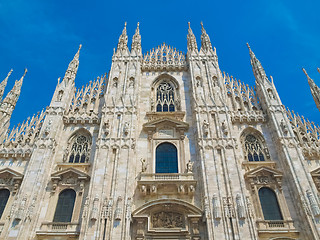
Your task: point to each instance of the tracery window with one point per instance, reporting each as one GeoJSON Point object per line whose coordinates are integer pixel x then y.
{"type": "Point", "coordinates": [65, 206]}
{"type": "Point", "coordinates": [80, 149]}
{"type": "Point", "coordinates": [4, 196]}
{"type": "Point", "coordinates": [269, 204]}
{"type": "Point", "coordinates": [253, 149]}
{"type": "Point", "coordinates": [166, 158]}
{"type": "Point", "coordinates": [165, 99]}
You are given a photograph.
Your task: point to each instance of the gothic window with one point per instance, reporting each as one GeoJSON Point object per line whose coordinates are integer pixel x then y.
{"type": "Point", "coordinates": [65, 206]}
{"type": "Point", "coordinates": [165, 99]}
{"type": "Point", "coordinates": [269, 204]}
{"type": "Point", "coordinates": [80, 149]}
{"type": "Point", "coordinates": [253, 149]}
{"type": "Point", "coordinates": [166, 158]}
{"type": "Point", "coordinates": [4, 196]}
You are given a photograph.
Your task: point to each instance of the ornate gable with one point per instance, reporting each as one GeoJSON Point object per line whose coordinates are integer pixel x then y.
{"type": "Point", "coordinates": [315, 174]}
{"type": "Point", "coordinates": [264, 176]}
{"type": "Point", "coordinates": [166, 125]}
{"type": "Point", "coordinates": [10, 179]}
{"type": "Point", "coordinates": [69, 177]}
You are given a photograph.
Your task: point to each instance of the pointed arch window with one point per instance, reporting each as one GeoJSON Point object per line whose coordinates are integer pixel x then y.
{"type": "Point", "coordinates": [65, 206]}
{"type": "Point", "coordinates": [4, 196]}
{"type": "Point", "coordinates": [253, 149]}
{"type": "Point", "coordinates": [269, 204]}
{"type": "Point", "coordinates": [166, 158]}
{"type": "Point", "coordinates": [79, 149]}
{"type": "Point", "coordinates": [165, 99]}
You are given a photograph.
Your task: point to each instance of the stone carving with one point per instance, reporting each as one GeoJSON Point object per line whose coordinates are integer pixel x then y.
{"type": "Point", "coordinates": [115, 82]}
{"type": "Point", "coordinates": [153, 189]}
{"type": "Point", "coordinates": [106, 128]}
{"type": "Point", "coordinates": [60, 94]}
{"type": "Point", "coordinates": [228, 207]}
{"type": "Point", "coordinates": [69, 179]}
{"type": "Point", "coordinates": [144, 165]}
{"type": "Point", "coordinates": [224, 127]}
{"type": "Point", "coordinates": [262, 180]}
{"type": "Point", "coordinates": [270, 93]}
{"type": "Point", "coordinates": [199, 82]}
{"type": "Point", "coordinates": [216, 208]}
{"type": "Point", "coordinates": [118, 211]}
{"type": "Point", "coordinates": [164, 57]}
{"type": "Point", "coordinates": [30, 211]}
{"type": "Point", "coordinates": [205, 128]}
{"type": "Point", "coordinates": [249, 207]}
{"type": "Point", "coordinates": [128, 209]}
{"type": "Point", "coordinates": [131, 82]}
{"type": "Point", "coordinates": [85, 208]}
{"type": "Point", "coordinates": [20, 212]}
{"type": "Point", "coordinates": [284, 127]}
{"type": "Point", "coordinates": [189, 166]}
{"type": "Point", "coordinates": [126, 128]}
{"type": "Point", "coordinates": [240, 207]}
{"type": "Point", "coordinates": [206, 207]}
{"type": "Point", "coordinates": [313, 204]}
{"type": "Point", "coordinates": [167, 220]}
{"type": "Point", "coordinates": [47, 129]}
{"type": "Point", "coordinates": [95, 210]}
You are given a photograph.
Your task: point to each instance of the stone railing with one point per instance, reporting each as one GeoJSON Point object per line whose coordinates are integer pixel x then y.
{"type": "Point", "coordinates": [152, 183]}
{"type": "Point", "coordinates": [275, 225]}
{"type": "Point", "coordinates": [58, 228]}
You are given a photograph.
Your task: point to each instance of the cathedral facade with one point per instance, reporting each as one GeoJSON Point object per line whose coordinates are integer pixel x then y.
{"type": "Point", "coordinates": [164, 146]}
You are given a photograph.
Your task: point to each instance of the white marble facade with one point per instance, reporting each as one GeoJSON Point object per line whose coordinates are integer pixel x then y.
{"type": "Point", "coordinates": [100, 143]}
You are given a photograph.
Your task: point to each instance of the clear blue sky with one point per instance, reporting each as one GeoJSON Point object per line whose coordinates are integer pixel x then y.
{"type": "Point", "coordinates": [44, 36]}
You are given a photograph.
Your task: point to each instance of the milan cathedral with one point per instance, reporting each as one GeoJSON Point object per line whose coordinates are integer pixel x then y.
{"type": "Point", "coordinates": [164, 146]}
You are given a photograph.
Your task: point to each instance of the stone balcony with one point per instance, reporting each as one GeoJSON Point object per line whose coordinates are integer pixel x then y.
{"type": "Point", "coordinates": [170, 183]}
{"type": "Point", "coordinates": [59, 228]}
{"type": "Point", "coordinates": [278, 227]}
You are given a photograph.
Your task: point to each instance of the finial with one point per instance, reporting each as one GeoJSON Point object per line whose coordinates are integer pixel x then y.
{"type": "Point", "coordinates": [318, 70]}
{"type": "Point", "coordinates": [189, 24]}
{"type": "Point", "coordinates": [248, 46]}
{"type": "Point", "coordinates": [305, 72]}
{"type": "Point", "coordinates": [125, 24]}
{"type": "Point", "coordinates": [80, 46]}
{"type": "Point", "coordinates": [25, 72]}
{"type": "Point", "coordinates": [138, 24]}
{"type": "Point", "coordinates": [201, 24]}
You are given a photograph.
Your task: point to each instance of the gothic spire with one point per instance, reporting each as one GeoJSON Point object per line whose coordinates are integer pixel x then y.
{"type": "Point", "coordinates": [3, 84]}
{"type": "Point", "coordinates": [136, 40]}
{"type": "Point", "coordinates": [73, 67]}
{"type": "Point", "coordinates": [123, 40]}
{"type": "Point", "coordinates": [205, 40]}
{"type": "Point", "coordinates": [315, 90]}
{"type": "Point", "coordinates": [257, 68]}
{"type": "Point", "coordinates": [192, 42]}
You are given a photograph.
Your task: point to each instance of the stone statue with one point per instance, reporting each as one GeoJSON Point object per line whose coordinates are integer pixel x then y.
{"type": "Point", "coordinates": [189, 166]}
{"type": "Point", "coordinates": [143, 165]}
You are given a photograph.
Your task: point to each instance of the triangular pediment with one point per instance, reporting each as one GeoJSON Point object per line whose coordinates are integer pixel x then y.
{"type": "Point", "coordinates": [167, 122]}
{"type": "Point", "coordinates": [264, 171]}
{"type": "Point", "coordinates": [11, 173]}
{"type": "Point", "coordinates": [80, 175]}
{"type": "Point", "coordinates": [316, 172]}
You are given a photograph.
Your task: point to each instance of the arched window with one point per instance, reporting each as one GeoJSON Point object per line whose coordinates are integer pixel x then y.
{"type": "Point", "coordinates": [269, 204]}
{"type": "Point", "coordinates": [253, 149]}
{"type": "Point", "coordinates": [165, 99]}
{"type": "Point", "coordinates": [65, 206]}
{"type": "Point", "coordinates": [79, 149]}
{"type": "Point", "coordinates": [166, 158]}
{"type": "Point", "coordinates": [4, 196]}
